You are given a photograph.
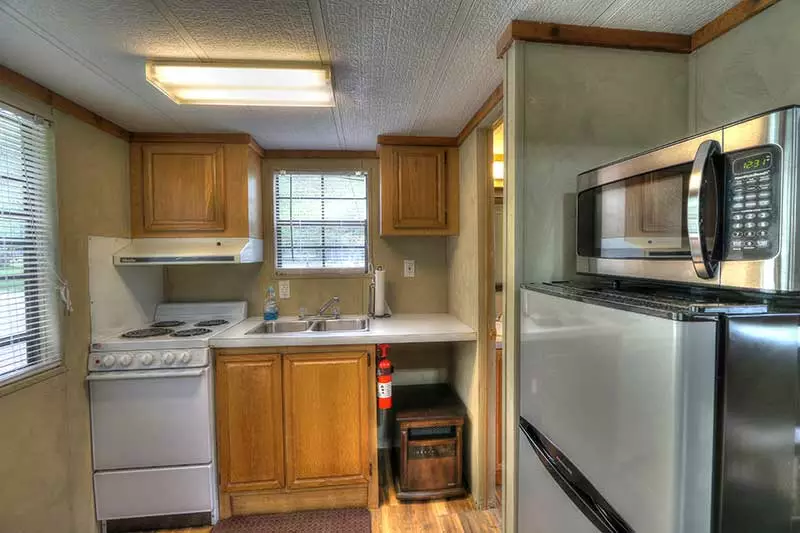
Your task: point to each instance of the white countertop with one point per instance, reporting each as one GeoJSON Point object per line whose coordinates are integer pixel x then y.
{"type": "Point", "coordinates": [433, 327]}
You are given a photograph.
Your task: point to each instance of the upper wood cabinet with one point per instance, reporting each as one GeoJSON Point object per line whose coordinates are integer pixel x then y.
{"type": "Point", "coordinates": [250, 422]}
{"type": "Point", "coordinates": [327, 422]}
{"type": "Point", "coordinates": [183, 187]}
{"type": "Point", "coordinates": [419, 190]}
{"type": "Point", "coordinates": [195, 186]}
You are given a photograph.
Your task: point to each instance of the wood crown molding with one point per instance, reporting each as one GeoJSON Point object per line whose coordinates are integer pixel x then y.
{"type": "Point", "coordinates": [733, 17]}
{"type": "Point", "coordinates": [222, 138]}
{"type": "Point", "coordinates": [31, 89]}
{"type": "Point", "coordinates": [412, 140]}
{"type": "Point", "coordinates": [254, 146]}
{"type": "Point", "coordinates": [320, 154]}
{"type": "Point", "coordinates": [495, 98]}
{"type": "Point", "coordinates": [547, 32]}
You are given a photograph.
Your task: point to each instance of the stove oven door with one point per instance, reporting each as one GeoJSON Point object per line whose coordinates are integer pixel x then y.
{"type": "Point", "coordinates": [155, 418]}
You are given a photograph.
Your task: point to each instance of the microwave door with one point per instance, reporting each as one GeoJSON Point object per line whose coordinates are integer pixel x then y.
{"type": "Point", "coordinates": [704, 210]}
{"type": "Point", "coordinates": [633, 217]}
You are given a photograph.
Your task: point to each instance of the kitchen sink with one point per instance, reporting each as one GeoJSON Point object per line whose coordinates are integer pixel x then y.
{"type": "Point", "coordinates": [341, 324]}
{"type": "Point", "coordinates": [312, 325]}
{"type": "Point", "coordinates": [293, 326]}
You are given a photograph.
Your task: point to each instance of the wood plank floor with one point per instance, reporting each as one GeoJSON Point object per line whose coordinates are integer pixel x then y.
{"type": "Point", "coordinates": [456, 515]}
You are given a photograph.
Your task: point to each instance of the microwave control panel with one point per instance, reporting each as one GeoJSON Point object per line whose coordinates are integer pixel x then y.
{"type": "Point", "coordinates": [752, 185]}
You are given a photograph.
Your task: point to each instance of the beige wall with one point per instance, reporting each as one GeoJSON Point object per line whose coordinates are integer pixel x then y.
{"type": "Point", "coordinates": [94, 199]}
{"type": "Point", "coordinates": [748, 70]}
{"type": "Point", "coordinates": [34, 459]}
{"type": "Point", "coordinates": [584, 107]}
{"type": "Point", "coordinates": [426, 293]}
{"type": "Point", "coordinates": [464, 260]}
{"type": "Point", "coordinates": [45, 451]}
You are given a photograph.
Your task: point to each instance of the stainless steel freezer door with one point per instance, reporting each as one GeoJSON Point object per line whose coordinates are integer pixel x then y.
{"type": "Point", "coordinates": [543, 507]}
{"type": "Point", "coordinates": [628, 399]}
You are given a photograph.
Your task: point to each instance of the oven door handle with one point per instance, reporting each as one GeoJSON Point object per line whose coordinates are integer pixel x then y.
{"type": "Point", "coordinates": [146, 374]}
{"type": "Point", "coordinates": [704, 265]}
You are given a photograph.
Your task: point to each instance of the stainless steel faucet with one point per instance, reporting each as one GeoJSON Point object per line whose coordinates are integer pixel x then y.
{"type": "Point", "coordinates": [332, 303]}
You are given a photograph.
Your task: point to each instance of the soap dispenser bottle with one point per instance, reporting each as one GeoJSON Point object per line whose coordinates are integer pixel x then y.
{"type": "Point", "coordinates": [270, 305]}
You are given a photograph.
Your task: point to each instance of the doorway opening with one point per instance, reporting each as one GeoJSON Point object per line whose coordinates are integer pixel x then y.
{"type": "Point", "coordinates": [495, 221]}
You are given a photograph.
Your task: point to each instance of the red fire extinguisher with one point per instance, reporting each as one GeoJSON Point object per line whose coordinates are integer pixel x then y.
{"type": "Point", "coordinates": [384, 371]}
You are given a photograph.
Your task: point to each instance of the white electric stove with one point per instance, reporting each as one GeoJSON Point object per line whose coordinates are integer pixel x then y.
{"type": "Point", "coordinates": [151, 392]}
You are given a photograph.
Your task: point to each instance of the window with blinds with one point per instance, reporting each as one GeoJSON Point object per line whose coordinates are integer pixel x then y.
{"type": "Point", "coordinates": [29, 339]}
{"type": "Point", "coordinates": [320, 221]}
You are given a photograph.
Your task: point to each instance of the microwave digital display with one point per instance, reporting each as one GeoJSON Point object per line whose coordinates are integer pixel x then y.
{"type": "Point", "coordinates": [762, 161]}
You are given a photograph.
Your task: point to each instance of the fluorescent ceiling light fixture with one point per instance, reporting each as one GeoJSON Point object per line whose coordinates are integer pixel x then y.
{"type": "Point", "coordinates": [240, 83]}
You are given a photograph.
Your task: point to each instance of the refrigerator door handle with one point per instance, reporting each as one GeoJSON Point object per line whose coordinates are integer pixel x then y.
{"type": "Point", "coordinates": [582, 493]}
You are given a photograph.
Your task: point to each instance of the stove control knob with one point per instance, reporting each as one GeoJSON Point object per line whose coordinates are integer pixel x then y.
{"type": "Point", "coordinates": [169, 358]}
{"type": "Point", "coordinates": [108, 361]}
{"type": "Point", "coordinates": [186, 357]}
{"type": "Point", "coordinates": [124, 360]}
{"type": "Point", "coordinates": [147, 359]}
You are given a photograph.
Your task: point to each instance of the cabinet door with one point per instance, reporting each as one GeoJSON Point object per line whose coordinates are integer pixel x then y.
{"type": "Point", "coordinates": [183, 187]}
{"type": "Point", "coordinates": [327, 421]}
{"type": "Point", "coordinates": [419, 190]}
{"type": "Point", "coordinates": [250, 422]}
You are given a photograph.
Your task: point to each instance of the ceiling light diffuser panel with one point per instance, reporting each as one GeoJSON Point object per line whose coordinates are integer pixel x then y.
{"type": "Point", "coordinates": [245, 84]}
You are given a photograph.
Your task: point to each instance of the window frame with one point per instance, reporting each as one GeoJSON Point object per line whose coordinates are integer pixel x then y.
{"type": "Point", "coordinates": [36, 371]}
{"type": "Point", "coordinates": [288, 273]}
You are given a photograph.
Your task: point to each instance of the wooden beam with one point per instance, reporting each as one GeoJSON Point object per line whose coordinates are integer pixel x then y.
{"type": "Point", "coordinates": [31, 89]}
{"type": "Point", "coordinates": [724, 23]}
{"type": "Point", "coordinates": [413, 140]}
{"type": "Point", "coordinates": [495, 98]}
{"type": "Point", "coordinates": [320, 154]}
{"type": "Point", "coordinates": [547, 32]}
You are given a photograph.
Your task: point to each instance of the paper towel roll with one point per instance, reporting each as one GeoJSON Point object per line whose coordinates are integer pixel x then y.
{"type": "Point", "coordinates": [380, 292]}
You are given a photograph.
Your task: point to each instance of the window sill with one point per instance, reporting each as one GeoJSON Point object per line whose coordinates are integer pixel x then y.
{"type": "Point", "coordinates": [320, 274]}
{"type": "Point", "coordinates": [25, 381]}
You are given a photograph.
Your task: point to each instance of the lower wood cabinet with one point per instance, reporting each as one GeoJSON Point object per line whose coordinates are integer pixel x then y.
{"type": "Point", "coordinates": [250, 422]}
{"type": "Point", "coordinates": [325, 401]}
{"type": "Point", "coordinates": [296, 430]}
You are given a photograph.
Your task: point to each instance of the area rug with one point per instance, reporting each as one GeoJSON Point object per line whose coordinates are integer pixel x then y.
{"type": "Point", "coordinates": [327, 521]}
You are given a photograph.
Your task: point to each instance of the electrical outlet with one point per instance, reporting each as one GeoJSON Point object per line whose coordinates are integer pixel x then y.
{"type": "Point", "coordinates": [284, 290]}
{"type": "Point", "coordinates": [409, 268]}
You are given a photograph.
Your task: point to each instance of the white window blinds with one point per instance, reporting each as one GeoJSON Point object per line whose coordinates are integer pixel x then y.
{"type": "Point", "coordinates": [29, 340]}
{"type": "Point", "coordinates": [320, 221]}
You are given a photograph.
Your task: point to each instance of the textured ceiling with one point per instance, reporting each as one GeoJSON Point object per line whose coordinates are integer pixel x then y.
{"type": "Point", "coordinates": [399, 66]}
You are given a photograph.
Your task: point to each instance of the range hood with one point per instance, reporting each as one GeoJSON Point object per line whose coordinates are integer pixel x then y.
{"type": "Point", "coordinates": [191, 251]}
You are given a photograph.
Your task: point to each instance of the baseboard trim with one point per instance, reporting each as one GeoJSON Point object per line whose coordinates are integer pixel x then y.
{"type": "Point", "coordinates": [297, 500]}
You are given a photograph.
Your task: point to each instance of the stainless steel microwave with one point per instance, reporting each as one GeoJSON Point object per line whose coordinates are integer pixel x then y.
{"type": "Point", "coordinates": [718, 209]}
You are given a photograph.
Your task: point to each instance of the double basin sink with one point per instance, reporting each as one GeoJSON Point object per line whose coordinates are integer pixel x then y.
{"type": "Point", "coordinates": [311, 325]}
